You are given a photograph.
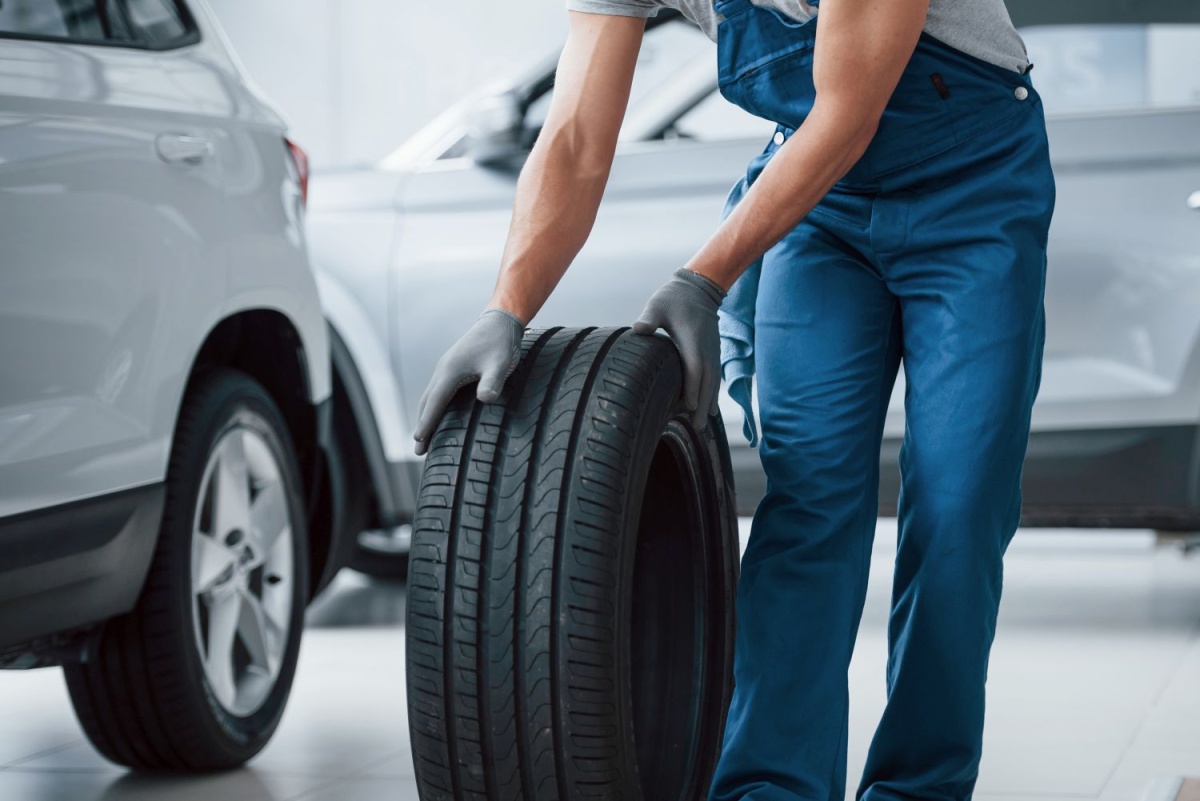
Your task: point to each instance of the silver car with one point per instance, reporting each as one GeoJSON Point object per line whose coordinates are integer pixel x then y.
{"type": "Point", "coordinates": [407, 254]}
{"type": "Point", "coordinates": [165, 508]}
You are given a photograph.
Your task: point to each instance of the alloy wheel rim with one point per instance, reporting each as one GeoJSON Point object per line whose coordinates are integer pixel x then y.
{"type": "Point", "coordinates": [242, 571]}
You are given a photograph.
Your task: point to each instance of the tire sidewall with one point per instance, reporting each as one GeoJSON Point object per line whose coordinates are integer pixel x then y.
{"type": "Point", "coordinates": [664, 408]}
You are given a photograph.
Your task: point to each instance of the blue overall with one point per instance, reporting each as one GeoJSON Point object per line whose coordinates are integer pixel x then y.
{"type": "Point", "coordinates": [931, 251]}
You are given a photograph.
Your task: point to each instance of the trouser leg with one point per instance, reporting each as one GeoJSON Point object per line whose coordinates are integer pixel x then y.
{"type": "Point", "coordinates": [971, 295]}
{"type": "Point", "coordinates": [826, 347]}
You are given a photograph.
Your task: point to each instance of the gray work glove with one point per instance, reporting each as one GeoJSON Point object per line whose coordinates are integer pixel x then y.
{"type": "Point", "coordinates": [686, 307]}
{"type": "Point", "coordinates": [487, 353]}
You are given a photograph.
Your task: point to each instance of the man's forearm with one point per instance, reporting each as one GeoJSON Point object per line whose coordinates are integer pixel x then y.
{"type": "Point", "coordinates": [558, 194]}
{"type": "Point", "coordinates": [560, 187]}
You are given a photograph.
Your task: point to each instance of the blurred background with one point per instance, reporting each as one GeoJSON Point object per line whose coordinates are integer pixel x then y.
{"type": "Point", "coordinates": [355, 79]}
{"type": "Point", "coordinates": [379, 256]}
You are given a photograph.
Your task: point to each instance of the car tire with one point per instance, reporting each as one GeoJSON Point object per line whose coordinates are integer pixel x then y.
{"type": "Point", "coordinates": [376, 562]}
{"type": "Point", "coordinates": [196, 677]}
{"type": "Point", "coordinates": [574, 562]}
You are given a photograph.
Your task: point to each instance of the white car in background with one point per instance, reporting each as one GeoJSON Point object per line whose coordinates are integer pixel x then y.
{"type": "Point", "coordinates": [166, 509]}
{"type": "Point", "coordinates": [407, 254]}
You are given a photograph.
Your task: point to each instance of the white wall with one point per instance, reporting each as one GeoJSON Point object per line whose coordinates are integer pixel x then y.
{"type": "Point", "coordinates": [355, 77]}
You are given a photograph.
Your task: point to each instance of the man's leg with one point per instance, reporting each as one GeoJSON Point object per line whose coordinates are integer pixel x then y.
{"type": "Point", "coordinates": [826, 349]}
{"type": "Point", "coordinates": [971, 296]}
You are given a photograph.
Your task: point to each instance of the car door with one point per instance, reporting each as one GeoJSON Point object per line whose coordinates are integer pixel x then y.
{"type": "Point", "coordinates": [107, 201]}
{"type": "Point", "coordinates": [664, 198]}
{"type": "Point", "coordinates": [1123, 284]}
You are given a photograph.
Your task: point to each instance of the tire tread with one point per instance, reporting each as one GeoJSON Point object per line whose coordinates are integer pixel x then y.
{"type": "Point", "coordinates": [514, 629]}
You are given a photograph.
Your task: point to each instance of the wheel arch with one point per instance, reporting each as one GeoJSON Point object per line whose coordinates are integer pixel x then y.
{"type": "Point", "coordinates": [266, 345]}
{"type": "Point", "coordinates": [371, 391]}
{"type": "Point", "coordinates": [368, 354]}
{"type": "Point", "coordinates": [354, 410]}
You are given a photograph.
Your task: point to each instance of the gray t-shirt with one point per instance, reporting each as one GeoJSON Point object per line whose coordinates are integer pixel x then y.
{"type": "Point", "coordinates": [981, 28]}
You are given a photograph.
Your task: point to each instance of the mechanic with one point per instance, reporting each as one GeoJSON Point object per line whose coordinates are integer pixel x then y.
{"type": "Point", "coordinates": [900, 211]}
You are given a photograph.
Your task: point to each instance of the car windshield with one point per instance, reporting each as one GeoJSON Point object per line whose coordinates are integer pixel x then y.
{"type": "Point", "coordinates": [668, 51]}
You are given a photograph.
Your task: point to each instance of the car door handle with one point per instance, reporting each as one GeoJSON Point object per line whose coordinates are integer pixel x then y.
{"type": "Point", "coordinates": [176, 148]}
{"type": "Point", "coordinates": [1193, 201]}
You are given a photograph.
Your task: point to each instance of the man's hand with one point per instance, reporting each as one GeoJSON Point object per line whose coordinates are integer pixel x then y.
{"type": "Point", "coordinates": [686, 307]}
{"type": "Point", "coordinates": [488, 353]}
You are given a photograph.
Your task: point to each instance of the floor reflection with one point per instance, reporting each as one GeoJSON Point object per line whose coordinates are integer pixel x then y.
{"type": "Point", "coordinates": [242, 783]}
{"type": "Point", "coordinates": [1091, 689]}
{"type": "Point", "coordinates": [354, 600]}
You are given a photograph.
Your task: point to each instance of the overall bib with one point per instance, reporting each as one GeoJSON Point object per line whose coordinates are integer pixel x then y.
{"type": "Point", "coordinates": [931, 251]}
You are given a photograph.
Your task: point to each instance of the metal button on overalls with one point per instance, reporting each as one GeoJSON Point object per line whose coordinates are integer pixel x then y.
{"type": "Point", "coordinates": [932, 251]}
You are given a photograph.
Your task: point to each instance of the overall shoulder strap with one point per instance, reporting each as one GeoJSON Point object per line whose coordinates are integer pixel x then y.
{"type": "Point", "coordinates": [727, 8]}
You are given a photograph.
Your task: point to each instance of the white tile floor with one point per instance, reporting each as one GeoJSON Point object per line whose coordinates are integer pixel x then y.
{"type": "Point", "coordinates": [1094, 690]}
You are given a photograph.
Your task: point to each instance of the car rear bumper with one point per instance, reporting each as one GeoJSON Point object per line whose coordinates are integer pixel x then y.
{"type": "Point", "coordinates": [75, 564]}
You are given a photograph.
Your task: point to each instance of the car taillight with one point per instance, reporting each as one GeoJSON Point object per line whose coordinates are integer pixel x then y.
{"type": "Point", "coordinates": [300, 159]}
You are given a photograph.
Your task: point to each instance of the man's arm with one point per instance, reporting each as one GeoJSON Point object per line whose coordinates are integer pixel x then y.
{"type": "Point", "coordinates": [561, 185]}
{"type": "Point", "coordinates": [861, 50]}
{"type": "Point", "coordinates": [558, 194]}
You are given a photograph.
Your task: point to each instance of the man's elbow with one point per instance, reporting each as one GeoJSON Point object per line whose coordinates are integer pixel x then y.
{"type": "Point", "coordinates": [861, 136]}
{"type": "Point", "coordinates": [575, 148]}
{"type": "Point", "coordinates": [852, 125]}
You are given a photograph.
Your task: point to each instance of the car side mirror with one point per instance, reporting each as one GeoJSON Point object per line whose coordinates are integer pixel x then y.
{"type": "Point", "coordinates": [495, 129]}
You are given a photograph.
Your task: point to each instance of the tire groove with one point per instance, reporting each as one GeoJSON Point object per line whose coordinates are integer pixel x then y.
{"type": "Point", "coordinates": [594, 368]}
{"type": "Point", "coordinates": [520, 636]}
{"type": "Point", "coordinates": [448, 601]}
{"type": "Point", "coordinates": [484, 660]}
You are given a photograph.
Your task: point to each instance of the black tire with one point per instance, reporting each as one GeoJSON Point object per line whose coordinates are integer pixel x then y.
{"type": "Point", "coordinates": [376, 563]}
{"type": "Point", "coordinates": [574, 562]}
{"type": "Point", "coordinates": [142, 696]}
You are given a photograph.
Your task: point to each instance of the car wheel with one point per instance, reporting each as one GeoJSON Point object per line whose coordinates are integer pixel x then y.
{"type": "Point", "coordinates": [574, 562]}
{"type": "Point", "coordinates": [197, 675]}
{"type": "Point", "coordinates": [383, 553]}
